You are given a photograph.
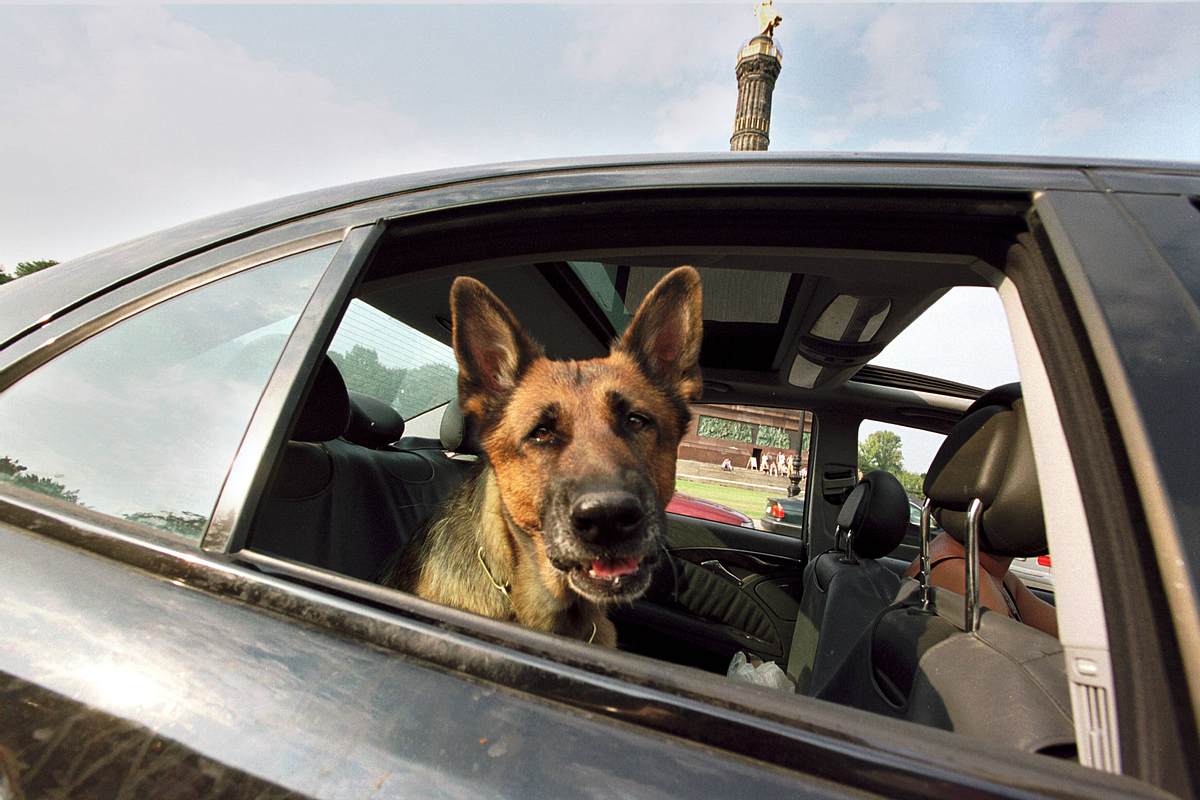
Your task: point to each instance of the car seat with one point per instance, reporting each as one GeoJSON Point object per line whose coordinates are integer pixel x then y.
{"type": "Point", "coordinates": [845, 588]}
{"type": "Point", "coordinates": [935, 656]}
{"type": "Point", "coordinates": [346, 494]}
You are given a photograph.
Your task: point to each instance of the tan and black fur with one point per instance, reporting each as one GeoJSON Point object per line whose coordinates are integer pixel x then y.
{"type": "Point", "coordinates": [579, 465]}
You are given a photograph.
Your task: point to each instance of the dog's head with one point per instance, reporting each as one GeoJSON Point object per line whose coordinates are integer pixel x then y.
{"type": "Point", "coordinates": [584, 451]}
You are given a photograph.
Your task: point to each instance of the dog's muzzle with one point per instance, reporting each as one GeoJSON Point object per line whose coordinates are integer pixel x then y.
{"type": "Point", "coordinates": [607, 541]}
{"type": "Point", "coordinates": [607, 518]}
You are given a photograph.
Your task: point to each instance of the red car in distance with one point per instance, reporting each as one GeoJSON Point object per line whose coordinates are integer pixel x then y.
{"type": "Point", "coordinates": [700, 508]}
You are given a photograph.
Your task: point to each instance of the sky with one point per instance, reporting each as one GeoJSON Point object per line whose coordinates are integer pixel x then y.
{"type": "Point", "coordinates": [118, 121]}
{"type": "Point", "coordinates": [122, 120]}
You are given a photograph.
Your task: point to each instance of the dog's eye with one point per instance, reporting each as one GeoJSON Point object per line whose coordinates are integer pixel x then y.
{"type": "Point", "coordinates": [638, 422]}
{"type": "Point", "coordinates": [542, 435]}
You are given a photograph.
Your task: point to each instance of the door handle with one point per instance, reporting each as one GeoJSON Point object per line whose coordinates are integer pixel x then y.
{"type": "Point", "coordinates": [717, 568]}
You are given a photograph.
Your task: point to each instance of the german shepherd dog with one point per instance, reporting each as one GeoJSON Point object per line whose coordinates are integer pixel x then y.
{"type": "Point", "coordinates": [565, 518]}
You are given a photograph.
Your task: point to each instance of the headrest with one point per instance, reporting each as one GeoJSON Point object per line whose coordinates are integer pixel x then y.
{"type": "Point", "coordinates": [989, 455]}
{"type": "Point", "coordinates": [458, 431]}
{"type": "Point", "coordinates": [1004, 395]}
{"type": "Point", "coordinates": [373, 423]}
{"type": "Point", "coordinates": [876, 513]}
{"type": "Point", "coordinates": [326, 411]}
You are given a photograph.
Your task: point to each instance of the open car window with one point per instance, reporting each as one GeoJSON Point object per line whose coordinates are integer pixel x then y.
{"type": "Point", "coordinates": [737, 465]}
{"type": "Point", "coordinates": [757, 487]}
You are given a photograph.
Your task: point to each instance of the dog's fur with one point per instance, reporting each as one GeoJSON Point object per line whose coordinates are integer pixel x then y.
{"type": "Point", "coordinates": [579, 465]}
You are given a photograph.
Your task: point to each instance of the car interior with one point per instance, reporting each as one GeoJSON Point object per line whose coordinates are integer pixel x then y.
{"type": "Point", "coordinates": [800, 295]}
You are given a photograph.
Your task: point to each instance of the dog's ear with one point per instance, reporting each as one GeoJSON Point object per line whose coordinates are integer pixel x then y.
{"type": "Point", "coordinates": [666, 332]}
{"type": "Point", "coordinates": [491, 347]}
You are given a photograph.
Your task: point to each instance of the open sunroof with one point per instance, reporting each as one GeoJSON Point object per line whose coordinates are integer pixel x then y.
{"type": "Point", "coordinates": [745, 311]}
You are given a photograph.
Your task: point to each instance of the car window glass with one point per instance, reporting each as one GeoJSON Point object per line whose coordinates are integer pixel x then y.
{"type": "Point", "coordinates": [978, 353]}
{"type": "Point", "coordinates": [903, 451]}
{"type": "Point", "coordinates": [380, 356]}
{"type": "Point", "coordinates": [142, 420]}
{"type": "Point", "coordinates": [735, 464]}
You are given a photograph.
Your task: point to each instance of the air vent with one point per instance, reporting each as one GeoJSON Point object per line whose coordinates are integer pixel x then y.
{"type": "Point", "coordinates": [1096, 737]}
{"type": "Point", "coordinates": [1093, 733]}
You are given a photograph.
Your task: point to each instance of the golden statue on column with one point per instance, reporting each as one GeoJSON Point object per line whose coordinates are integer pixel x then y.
{"type": "Point", "coordinates": [768, 20]}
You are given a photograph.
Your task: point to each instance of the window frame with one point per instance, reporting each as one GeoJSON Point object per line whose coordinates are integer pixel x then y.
{"type": "Point", "coordinates": [252, 465]}
{"type": "Point", "coordinates": [83, 320]}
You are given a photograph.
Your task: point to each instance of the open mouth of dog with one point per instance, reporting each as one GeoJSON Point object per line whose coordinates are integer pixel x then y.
{"type": "Point", "coordinates": [609, 579]}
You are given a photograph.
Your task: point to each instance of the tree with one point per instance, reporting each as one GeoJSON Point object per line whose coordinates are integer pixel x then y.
{"type": "Point", "coordinates": [25, 268]}
{"type": "Point", "coordinates": [721, 428]}
{"type": "Point", "coordinates": [364, 372]}
{"type": "Point", "coordinates": [913, 483]}
{"type": "Point", "coordinates": [17, 473]}
{"type": "Point", "coordinates": [881, 450]}
{"type": "Point", "coordinates": [426, 386]}
{"type": "Point", "coordinates": [29, 267]}
{"type": "Point", "coordinates": [184, 523]}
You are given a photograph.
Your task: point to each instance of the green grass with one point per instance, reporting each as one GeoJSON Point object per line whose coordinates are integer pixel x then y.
{"type": "Point", "coordinates": [751, 502]}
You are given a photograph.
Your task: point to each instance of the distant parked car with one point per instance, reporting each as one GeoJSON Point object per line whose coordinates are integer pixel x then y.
{"type": "Point", "coordinates": [706, 509]}
{"type": "Point", "coordinates": [1037, 573]}
{"type": "Point", "coordinates": [784, 515]}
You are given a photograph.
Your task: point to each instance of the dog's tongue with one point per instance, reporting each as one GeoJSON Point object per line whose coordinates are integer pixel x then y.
{"type": "Point", "coordinates": [616, 568]}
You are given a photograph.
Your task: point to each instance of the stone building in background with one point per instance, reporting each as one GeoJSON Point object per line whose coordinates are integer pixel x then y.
{"type": "Point", "coordinates": [739, 432]}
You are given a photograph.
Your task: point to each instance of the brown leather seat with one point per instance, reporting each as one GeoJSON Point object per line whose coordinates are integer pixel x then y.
{"type": "Point", "coordinates": [999, 590]}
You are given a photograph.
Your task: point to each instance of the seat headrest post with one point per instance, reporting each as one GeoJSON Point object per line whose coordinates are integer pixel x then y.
{"type": "Point", "coordinates": [923, 575]}
{"type": "Point", "coordinates": [974, 511]}
{"type": "Point", "coordinates": [847, 556]}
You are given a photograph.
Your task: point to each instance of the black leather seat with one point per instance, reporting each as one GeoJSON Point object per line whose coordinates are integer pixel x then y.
{"type": "Point", "coordinates": [844, 589]}
{"type": "Point", "coordinates": [1003, 682]}
{"type": "Point", "coordinates": [345, 497]}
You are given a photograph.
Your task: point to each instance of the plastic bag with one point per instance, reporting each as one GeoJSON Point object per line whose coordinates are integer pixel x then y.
{"type": "Point", "coordinates": [759, 673]}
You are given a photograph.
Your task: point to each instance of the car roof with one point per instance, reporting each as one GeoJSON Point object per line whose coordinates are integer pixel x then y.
{"type": "Point", "coordinates": [26, 303]}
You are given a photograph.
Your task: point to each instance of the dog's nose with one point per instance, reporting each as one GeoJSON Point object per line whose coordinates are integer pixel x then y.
{"type": "Point", "coordinates": [608, 516]}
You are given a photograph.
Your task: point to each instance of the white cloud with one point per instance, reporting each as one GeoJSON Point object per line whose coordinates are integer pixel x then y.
{"type": "Point", "coordinates": [1124, 49]}
{"type": "Point", "coordinates": [932, 141]}
{"type": "Point", "coordinates": [654, 45]}
{"type": "Point", "coordinates": [899, 47]}
{"type": "Point", "coordinates": [699, 121]}
{"type": "Point", "coordinates": [899, 51]}
{"type": "Point", "coordinates": [1072, 124]}
{"type": "Point", "coordinates": [829, 133]}
{"type": "Point", "coordinates": [124, 120]}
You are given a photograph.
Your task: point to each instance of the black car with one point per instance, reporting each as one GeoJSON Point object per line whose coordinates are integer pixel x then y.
{"type": "Point", "coordinates": [189, 543]}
